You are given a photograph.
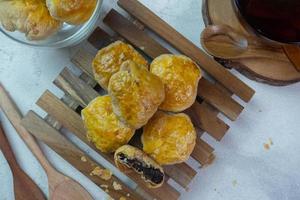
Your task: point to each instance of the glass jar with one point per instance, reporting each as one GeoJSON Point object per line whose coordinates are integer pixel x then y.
{"type": "Point", "coordinates": [68, 35]}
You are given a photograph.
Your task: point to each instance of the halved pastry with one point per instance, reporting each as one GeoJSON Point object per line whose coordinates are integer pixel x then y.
{"type": "Point", "coordinates": [129, 158]}
{"type": "Point", "coordinates": [136, 94]}
{"type": "Point", "coordinates": [72, 11]}
{"type": "Point", "coordinates": [181, 76]}
{"type": "Point", "coordinates": [28, 16]}
{"type": "Point", "coordinates": [169, 138]}
{"type": "Point", "coordinates": [103, 127]}
{"type": "Point", "coordinates": [109, 60]}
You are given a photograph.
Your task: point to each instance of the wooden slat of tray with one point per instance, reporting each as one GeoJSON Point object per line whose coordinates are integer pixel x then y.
{"type": "Point", "coordinates": [70, 102]}
{"type": "Point", "coordinates": [205, 153]}
{"type": "Point", "coordinates": [220, 99]}
{"type": "Point", "coordinates": [44, 132]}
{"type": "Point", "coordinates": [140, 39]}
{"type": "Point", "coordinates": [174, 38]}
{"type": "Point", "coordinates": [86, 93]}
{"type": "Point", "coordinates": [73, 122]}
{"type": "Point", "coordinates": [73, 86]}
{"type": "Point", "coordinates": [208, 122]}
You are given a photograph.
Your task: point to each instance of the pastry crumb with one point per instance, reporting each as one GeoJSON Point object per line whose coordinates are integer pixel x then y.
{"type": "Point", "coordinates": [128, 195]}
{"type": "Point", "coordinates": [142, 48]}
{"type": "Point", "coordinates": [234, 183]}
{"type": "Point", "coordinates": [104, 174]}
{"type": "Point", "coordinates": [268, 144]}
{"type": "Point", "coordinates": [106, 190]}
{"type": "Point", "coordinates": [109, 198]}
{"type": "Point", "coordinates": [104, 186]}
{"type": "Point", "coordinates": [117, 186]}
{"type": "Point", "coordinates": [83, 159]}
{"type": "Point", "coordinates": [122, 198]}
{"type": "Point", "coordinates": [271, 141]}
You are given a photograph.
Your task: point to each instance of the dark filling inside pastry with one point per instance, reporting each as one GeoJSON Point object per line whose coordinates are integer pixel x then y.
{"type": "Point", "coordinates": [149, 172]}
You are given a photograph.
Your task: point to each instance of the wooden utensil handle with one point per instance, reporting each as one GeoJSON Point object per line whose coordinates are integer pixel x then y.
{"type": "Point", "coordinates": [14, 115]}
{"type": "Point", "coordinates": [215, 30]}
{"type": "Point", "coordinates": [6, 149]}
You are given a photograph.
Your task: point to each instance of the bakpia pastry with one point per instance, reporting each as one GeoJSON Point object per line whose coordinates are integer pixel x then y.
{"type": "Point", "coordinates": [109, 60]}
{"type": "Point", "coordinates": [128, 158]}
{"type": "Point", "coordinates": [169, 138]}
{"type": "Point", "coordinates": [181, 76]}
{"type": "Point", "coordinates": [136, 94]}
{"type": "Point", "coordinates": [28, 16]}
{"type": "Point", "coordinates": [103, 127]}
{"type": "Point", "coordinates": [71, 11]}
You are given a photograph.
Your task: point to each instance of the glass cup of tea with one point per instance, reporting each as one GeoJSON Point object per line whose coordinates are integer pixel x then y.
{"type": "Point", "coordinates": [276, 20]}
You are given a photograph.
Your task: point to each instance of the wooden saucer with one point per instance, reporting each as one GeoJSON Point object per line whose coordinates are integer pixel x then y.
{"type": "Point", "coordinates": [217, 12]}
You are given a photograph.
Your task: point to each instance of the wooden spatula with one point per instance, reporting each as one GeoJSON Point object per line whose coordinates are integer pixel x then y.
{"type": "Point", "coordinates": [24, 187]}
{"type": "Point", "coordinates": [61, 187]}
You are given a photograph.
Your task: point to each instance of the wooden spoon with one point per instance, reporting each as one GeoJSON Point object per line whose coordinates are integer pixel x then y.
{"type": "Point", "coordinates": [222, 41]}
{"type": "Point", "coordinates": [23, 184]}
{"type": "Point", "coordinates": [61, 187]}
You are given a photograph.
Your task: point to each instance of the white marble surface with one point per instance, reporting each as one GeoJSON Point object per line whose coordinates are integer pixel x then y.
{"type": "Point", "coordinates": [243, 169]}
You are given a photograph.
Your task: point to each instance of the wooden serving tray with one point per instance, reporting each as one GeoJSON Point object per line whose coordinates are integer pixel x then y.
{"type": "Point", "coordinates": [218, 12]}
{"type": "Point", "coordinates": [214, 96]}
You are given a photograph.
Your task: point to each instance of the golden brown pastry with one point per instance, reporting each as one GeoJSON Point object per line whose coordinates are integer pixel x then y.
{"type": "Point", "coordinates": [103, 127]}
{"type": "Point", "coordinates": [128, 158]}
{"type": "Point", "coordinates": [169, 138]}
{"type": "Point", "coordinates": [72, 11]}
{"type": "Point", "coordinates": [181, 76]}
{"type": "Point", "coordinates": [109, 59]}
{"type": "Point", "coordinates": [136, 94]}
{"type": "Point", "coordinates": [28, 16]}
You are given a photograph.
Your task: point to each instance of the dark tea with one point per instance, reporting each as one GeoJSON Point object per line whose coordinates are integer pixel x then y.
{"type": "Point", "coordinates": [277, 20]}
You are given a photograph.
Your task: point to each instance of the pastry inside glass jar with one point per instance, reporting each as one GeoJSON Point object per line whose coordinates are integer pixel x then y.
{"type": "Point", "coordinates": [70, 11]}
{"type": "Point", "coordinates": [129, 158]}
{"type": "Point", "coordinates": [28, 16]}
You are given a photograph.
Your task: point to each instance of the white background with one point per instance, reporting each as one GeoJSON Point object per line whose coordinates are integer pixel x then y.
{"type": "Point", "coordinates": [243, 169]}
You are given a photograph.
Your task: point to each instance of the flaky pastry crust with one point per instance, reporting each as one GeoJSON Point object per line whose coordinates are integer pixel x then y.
{"type": "Point", "coordinates": [136, 94]}
{"type": "Point", "coordinates": [169, 138]}
{"type": "Point", "coordinates": [103, 127]}
{"type": "Point", "coordinates": [181, 76]}
{"type": "Point", "coordinates": [109, 60]}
